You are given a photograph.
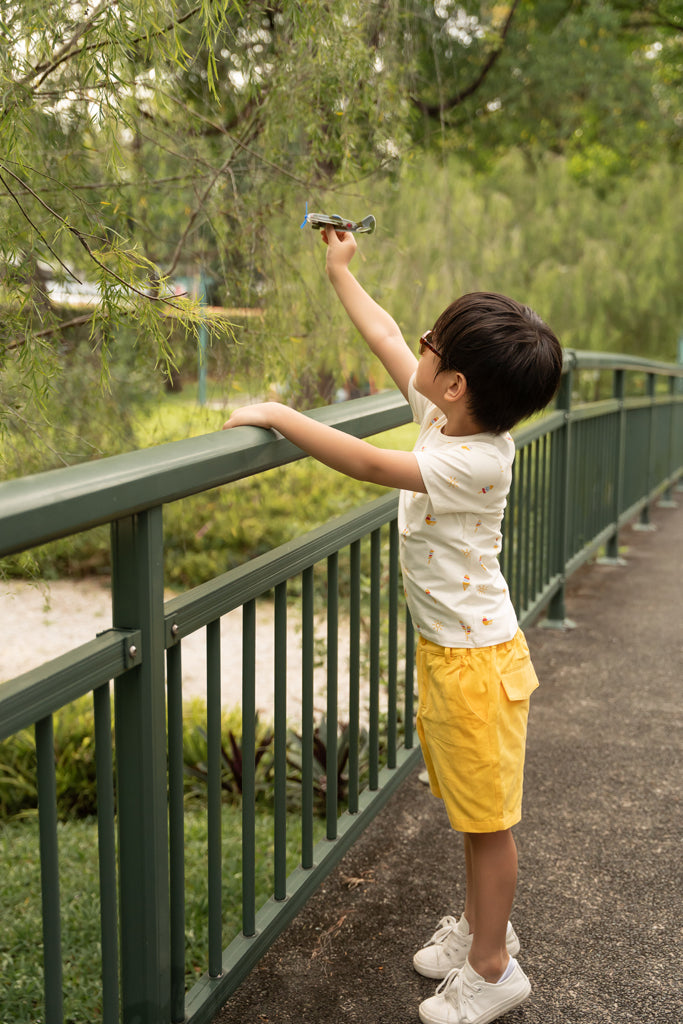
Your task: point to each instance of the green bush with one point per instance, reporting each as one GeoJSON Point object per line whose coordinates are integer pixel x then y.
{"type": "Point", "coordinates": [215, 531]}
{"type": "Point", "coordinates": [74, 742]}
{"type": "Point", "coordinates": [18, 788]}
{"type": "Point", "coordinates": [75, 769]}
{"type": "Point", "coordinates": [195, 755]}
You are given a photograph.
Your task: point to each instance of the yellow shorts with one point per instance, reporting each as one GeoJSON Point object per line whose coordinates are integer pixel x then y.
{"type": "Point", "coordinates": [471, 720]}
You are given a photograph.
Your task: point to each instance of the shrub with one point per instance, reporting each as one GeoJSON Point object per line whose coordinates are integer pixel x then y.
{"type": "Point", "coordinates": [74, 741]}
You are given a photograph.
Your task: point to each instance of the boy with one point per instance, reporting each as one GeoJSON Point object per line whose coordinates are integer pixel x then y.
{"type": "Point", "coordinates": [486, 364]}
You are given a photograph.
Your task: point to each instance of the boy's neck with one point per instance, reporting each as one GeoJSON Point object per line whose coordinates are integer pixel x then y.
{"type": "Point", "coordinates": [459, 422]}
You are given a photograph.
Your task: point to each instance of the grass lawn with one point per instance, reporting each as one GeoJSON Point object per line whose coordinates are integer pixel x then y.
{"type": "Point", "coordinates": [21, 945]}
{"type": "Point", "coordinates": [176, 415]}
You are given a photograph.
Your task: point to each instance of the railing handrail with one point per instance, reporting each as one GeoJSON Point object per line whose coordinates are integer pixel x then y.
{"type": "Point", "coordinates": [588, 360]}
{"type": "Point", "coordinates": [59, 502]}
{"type": "Point", "coordinates": [56, 503]}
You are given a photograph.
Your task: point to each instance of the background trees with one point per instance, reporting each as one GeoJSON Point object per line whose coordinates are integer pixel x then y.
{"type": "Point", "coordinates": [150, 147]}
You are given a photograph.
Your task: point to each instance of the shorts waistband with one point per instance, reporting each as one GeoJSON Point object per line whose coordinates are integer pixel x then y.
{"type": "Point", "coordinates": [451, 653]}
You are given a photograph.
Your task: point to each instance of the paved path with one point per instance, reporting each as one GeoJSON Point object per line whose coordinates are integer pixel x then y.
{"type": "Point", "coordinates": [599, 900]}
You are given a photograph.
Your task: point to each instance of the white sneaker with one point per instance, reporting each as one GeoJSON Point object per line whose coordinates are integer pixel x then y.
{"type": "Point", "coordinates": [449, 947]}
{"type": "Point", "coordinates": [463, 997]}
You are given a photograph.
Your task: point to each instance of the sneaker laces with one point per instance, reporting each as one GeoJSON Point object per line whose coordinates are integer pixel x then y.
{"type": "Point", "coordinates": [447, 926]}
{"type": "Point", "coordinates": [457, 988]}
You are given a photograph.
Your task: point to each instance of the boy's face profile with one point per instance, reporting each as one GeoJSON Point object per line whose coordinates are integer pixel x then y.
{"type": "Point", "coordinates": [428, 369]}
{"type": "Point", "coordinates": [440, 386]}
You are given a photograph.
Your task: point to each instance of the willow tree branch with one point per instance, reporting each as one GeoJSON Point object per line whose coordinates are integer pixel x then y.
{"type": "Point", "coordinates": [222, 130]}
{"type": "Point", "coordinates": [34, 225]}
{"type": "Point", "coordinates": [81, 237]}
{"type": "Point", "coordinates": [440, 108]}
{"type": "Point", "coordinates": [70, 49]}
{"type": "Point", "coordinates": [67, 50]}
{"type": "Point", "coordinates": [76, 321]}
{"type": "Point", "coordinates": [195, 213]}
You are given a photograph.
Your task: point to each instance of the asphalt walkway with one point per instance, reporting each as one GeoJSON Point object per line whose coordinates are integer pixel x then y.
{"type": "Point", "coordinates": [599, 901]}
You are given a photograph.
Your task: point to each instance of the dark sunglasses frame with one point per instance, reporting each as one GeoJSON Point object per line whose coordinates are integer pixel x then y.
{"type": "Point", "coordinates": [424, 343]}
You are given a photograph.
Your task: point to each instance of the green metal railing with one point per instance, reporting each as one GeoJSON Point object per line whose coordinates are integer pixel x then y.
{"type": "Point", "coordinates": [581, 472]}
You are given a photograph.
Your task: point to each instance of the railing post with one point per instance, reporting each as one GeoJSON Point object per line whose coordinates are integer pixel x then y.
{"type": "Point", "coordinates": [49, 869]}
{"type": "Point", "coordinates": [137, 599]}
{"type": "Point", "coordinates": [644, 521]}
{"type": "Point", "coordinates": [612, 547]}
{"type": "Point", "coordinates": [561, 498]}
{"type": "Point", "coordinates": [667, 500]}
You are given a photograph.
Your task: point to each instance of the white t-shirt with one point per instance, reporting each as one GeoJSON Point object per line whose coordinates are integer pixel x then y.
{"type": "Point", "coordinates": [450, 537]}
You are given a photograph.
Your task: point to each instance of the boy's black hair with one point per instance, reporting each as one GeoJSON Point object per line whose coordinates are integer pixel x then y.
{"type": "Point", "coordinates": [510, 358]}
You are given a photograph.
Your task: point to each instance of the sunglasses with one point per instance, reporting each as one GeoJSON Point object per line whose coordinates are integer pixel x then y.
{"type": "Point", "coordinates": [425, 343]}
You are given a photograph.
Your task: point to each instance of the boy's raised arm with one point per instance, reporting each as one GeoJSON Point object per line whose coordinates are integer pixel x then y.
{"type": "Point", "coordinates": [379, 329]}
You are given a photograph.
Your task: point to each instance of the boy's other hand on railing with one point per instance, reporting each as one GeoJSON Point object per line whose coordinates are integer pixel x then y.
{"type": "Point", "coordinates": [262, 414]}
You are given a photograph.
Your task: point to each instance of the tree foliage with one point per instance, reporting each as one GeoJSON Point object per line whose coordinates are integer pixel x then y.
{"type": "Point", "coordinates": [148, 147]}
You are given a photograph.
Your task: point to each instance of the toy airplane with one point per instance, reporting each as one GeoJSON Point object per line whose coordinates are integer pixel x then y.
{"type": "Point", "coordinates": [323, 220]}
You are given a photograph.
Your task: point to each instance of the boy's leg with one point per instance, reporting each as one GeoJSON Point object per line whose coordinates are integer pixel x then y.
{"type": "Point", "coordinates": [491, 861]}
{"type": "Point", "coordinates": [452, 942]}
{"type": "Point", "coordinates": [469, 888]}
{"type": "Point", "coordinates": [490, 982]}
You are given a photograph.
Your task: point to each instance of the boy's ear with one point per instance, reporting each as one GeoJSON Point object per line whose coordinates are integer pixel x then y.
{"type": "Point", "coordinates": [456, 387]}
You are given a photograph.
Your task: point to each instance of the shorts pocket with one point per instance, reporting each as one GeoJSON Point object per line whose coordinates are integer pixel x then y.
{"type": "Point", "coordinates": [520, 683]}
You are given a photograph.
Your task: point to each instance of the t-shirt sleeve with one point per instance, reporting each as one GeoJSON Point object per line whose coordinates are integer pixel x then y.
{"type": "Point", "coordinates": [460, 478]}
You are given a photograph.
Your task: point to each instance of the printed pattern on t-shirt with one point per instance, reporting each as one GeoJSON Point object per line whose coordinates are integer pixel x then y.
{"type": "Point", "coordinates": [451, 537]}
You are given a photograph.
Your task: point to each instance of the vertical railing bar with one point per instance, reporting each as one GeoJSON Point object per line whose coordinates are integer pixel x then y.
{"type": "Point", "coordinates": [409, 682]}
{"type": "Point", "coordinates": [667, 497]}
{"type": "Point", "coordinates": [594, 447]}
{"type": "Point", "coordinates": [307, 693]}
{"type": "Point", "coordinates": [523, 551]}
{"type": "Point", "coordinates": [528, 553]}
{"type": "Point", "coordinates": [584, 465]}
{"type": "Point", "coordinates": [392, 668]}
{"type": "Point", "coordinates": [544, 573]}
{"type": "Point", "coordinates": [214, 838]}
{"type": "Point", "coordinates": [540, 517]}
{"type": "Point", "coordinates": [596, 444]}
{"type": "Point", "coordinates": [561, 498]}
{"type": "Point", "coordinates": [49, 869]}
{"type": "Point", "coordinates": [536, 519]}
{"type": "Point", "coordinates": [508, 528]}
{"type": "Point", "coordinates": [648, 449]}
{"type": "Point", "coordinates": [331, 795]}
{"type": "Point", "coordinates": [354, 673]}
{"type": "Point", "coordinates": [601, 434]}
{"type": "Point", "coordinates": [106, 843]}
{"type": "Point", "coordinates": [249, 768]}
{"type": "Point", "coordinates": [176, 828]}
{"type": "Point", "coordinates": [520, 499]}
{"type": "Point", "coordinates": [651, 390]}
{"type": "Point", "coordinates": [573, 475]}
{"type": "Point", "coordinates": [612, 457]}
{"type": "Point", "coordinates": [592, 431]}
{"type": "Point", "coordinates": [280, 753]}
{"type": "Point", "coordinates": [375, 546]}
{"type": "Point", "coordinates": [576, 491]}
{"type": "Point", "coordinates": [607, 448]}
{"type": "Point", "coordinates": [604, 434]}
